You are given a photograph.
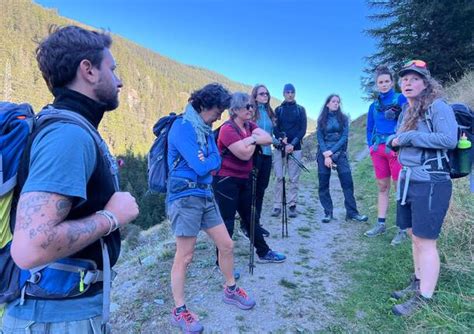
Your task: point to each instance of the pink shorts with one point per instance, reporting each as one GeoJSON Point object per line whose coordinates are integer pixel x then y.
{"type": "Point", "coordinates": [385, 164]}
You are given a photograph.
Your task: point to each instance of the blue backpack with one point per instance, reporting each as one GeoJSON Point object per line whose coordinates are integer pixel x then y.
{"type": "Point", "coordinates": [158, 170]}
{"type": "Point", "coordinates": [64, 278]}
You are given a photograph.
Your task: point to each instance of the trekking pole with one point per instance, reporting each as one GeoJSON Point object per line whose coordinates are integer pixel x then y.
{"type": "Point", "coordinates": [298, 163]}
{"type": "Point", "coordinates": [284, 217]}
{"type": "Point", "coordinates": [253, 214]}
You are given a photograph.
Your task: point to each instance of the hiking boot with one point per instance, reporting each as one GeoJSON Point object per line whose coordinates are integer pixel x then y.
{"type": "Point", "coordinates": [411, 305]}
{"type": "Point", "coordinates": [265, 232]}
{"type": "Point", "coordinates": [187, 321]}
{"type": "Point", "coordinates": [413, 287]}
{"type": "Point", "coordinates": [327, 218]}
{"type": "Point", "coordinates": [357, 218]}
{"type": "Point", "coordinates": [275, 212]}
{"type": "Point", "coordinates": [292, 213]}
{"type": "Point", "coordinates": [378, 229]}
{"type": "Point", "coordinates": [239, 298]}
{"type": "Point", "coordinates": [400, 237]}
{"type": "Point", "coordinates": [272, 257]}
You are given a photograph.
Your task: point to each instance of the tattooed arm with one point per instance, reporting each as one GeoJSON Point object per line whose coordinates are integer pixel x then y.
{"type": "Point", "coordinates": [41, 233]}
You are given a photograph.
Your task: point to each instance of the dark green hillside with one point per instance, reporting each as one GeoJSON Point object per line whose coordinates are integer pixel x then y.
{"type": "Point", "coordinates": [153, 85]}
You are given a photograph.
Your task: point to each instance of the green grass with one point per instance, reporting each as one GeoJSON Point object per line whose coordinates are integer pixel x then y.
{"type": "Point", "coordinates": [382, 268]}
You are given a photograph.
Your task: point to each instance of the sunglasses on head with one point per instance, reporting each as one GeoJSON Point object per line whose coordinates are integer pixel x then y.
{"type": "Point", "coordinates": [263, 94]}
{"type": "Point", "coordinates": [415, 63]}
{"type": "Point", "coordinates": [249, 106]}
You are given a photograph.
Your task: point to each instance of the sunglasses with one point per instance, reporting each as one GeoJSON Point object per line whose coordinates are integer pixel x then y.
{"type": "Point", "coordinates": [263, 94]}
{"type": "Point", "coordinates": [415, 63]}
{"type": "Point", "coordinates": [290, 92]}
{"type": "Point", "coordinates": [249, 106]}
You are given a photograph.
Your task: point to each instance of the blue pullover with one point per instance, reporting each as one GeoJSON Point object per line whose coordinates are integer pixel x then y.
{"type": "Point", "coordinates": [382, 125]}
{"type": "Point", "coordinates": [182, 144]}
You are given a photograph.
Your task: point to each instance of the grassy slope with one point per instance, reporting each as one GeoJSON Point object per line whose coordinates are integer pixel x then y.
{"type": "Point", "coordinates": [383, 268]}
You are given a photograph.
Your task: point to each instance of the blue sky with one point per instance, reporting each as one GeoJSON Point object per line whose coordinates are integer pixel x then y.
{"type": "Point", "coordinates": [318, 45]}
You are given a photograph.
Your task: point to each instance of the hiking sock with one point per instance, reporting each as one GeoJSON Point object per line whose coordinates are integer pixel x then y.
{"type": "Point", "coordinates": [381, 221]}
{"type": "Point", "coordinates": [180, 309]}
{"type": "Point", "coordinates": [232, 287]}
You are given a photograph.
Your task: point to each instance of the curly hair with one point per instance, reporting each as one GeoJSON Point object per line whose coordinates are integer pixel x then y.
{"type": "Point", "coordinates": [323, 116]}
{"type": "Point", "coordinates": [60, 54]}
{"type": "Point", "coordinates": [210, 96]}
{"type": "Point", "coordinates": [420, 106]}
{"type": "Point", "coordinates": [253, 97]}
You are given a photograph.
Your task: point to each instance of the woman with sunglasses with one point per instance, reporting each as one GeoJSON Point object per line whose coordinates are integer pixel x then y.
{"type": "Point", "coordinates": [332, 134]}
{"type": "Point", "coordinates": [232, 184]}
{"type": "Point", "coordinates": [264, 117]}
{"type": "Point", "coordinates": [381, 122]}
{"type": "Point", "coordinates": [427, 128]}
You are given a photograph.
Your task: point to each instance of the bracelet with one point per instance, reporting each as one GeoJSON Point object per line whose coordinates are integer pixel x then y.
{"type": "Point", "coordinates": [114, 225]}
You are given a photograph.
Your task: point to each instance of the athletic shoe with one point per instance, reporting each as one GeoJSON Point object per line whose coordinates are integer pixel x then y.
{"type": "Point", "coordinates": [413, 287]}
{"type": "Point", "coordinates": [239, 298]}
{"type": "Point", "coordinates": [378, 229]}
{"type": "Point", "coordinates": [276, 212]}
{"type": "Point", "coordinates": [272, 257]}
{"type": "Point", "coordinates": [293, 213]}
{"type": "Point", "coordinates": [357, 218]}
{"type": "Point", "coordinates": [327, 218]}
{"type": "Point", "coordinates": [187, 321]}
{"type": "Point", "coordinates": [399, 237]}
{"type": "Point", "coordinates": [411, 305]}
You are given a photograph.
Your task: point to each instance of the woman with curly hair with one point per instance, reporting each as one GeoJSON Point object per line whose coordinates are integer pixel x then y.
{"type": "Point", "coordinates": [381, 122]}
{"type": "Point", "coordinates": [427, 129]}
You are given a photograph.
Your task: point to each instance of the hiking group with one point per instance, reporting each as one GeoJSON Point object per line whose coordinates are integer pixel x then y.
{"type": "Point", "coordinates": [67, 207]}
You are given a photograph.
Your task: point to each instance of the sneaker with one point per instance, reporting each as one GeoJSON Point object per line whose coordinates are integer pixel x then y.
{"type": "Point", "coordinates": [265, 232]}
{"type": "Point", "coordinates": [272, 257]}
{"type": "Point", "coordinates": [400, 237]}
{"type": "Point", "coordinates": [292, 213]}
{"type": "Point", "coordinates": [378, 229]}
{"type": "Point", "coordinates": [239, 298]}
{"type": "Point", "coordinates": [327, 218]}
{"type": "Point", "coordinates": [411, 305]}
{"type": "Point", "coordinates": [357, 218]}
{"type": "Point", "coordinates": [413, 287]}
{"type": "Point", "coordinates": [276, 212]}
{"type": "Point", "coordinates": [187, 321]}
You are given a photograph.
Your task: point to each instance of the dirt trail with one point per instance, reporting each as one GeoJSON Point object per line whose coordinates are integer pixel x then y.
{"type": "Point", "coordinates": [292, 297]}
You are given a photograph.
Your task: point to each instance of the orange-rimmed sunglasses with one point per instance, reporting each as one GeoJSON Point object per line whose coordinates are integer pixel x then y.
{"type": "Point", "coordinates": [417, 63]}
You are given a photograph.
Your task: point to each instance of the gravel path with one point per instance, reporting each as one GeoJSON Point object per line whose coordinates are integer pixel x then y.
{"type": "Point", "coordinates": [293, 297]}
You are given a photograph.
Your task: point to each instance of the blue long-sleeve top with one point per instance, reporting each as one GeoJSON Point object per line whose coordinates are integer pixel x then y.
{"type": "Point", "coordinates": [182, 144]}
{"type": "Point", "coordinates": [264, 122]}
{"type": "Point", "coordinates": [376, 119]}
{"type": "Point", "coordinates": [335, 137]}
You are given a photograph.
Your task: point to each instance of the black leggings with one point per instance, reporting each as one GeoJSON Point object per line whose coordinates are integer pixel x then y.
{"type": "Point", "coordinates": [235, 194]}
{"type": "Point", "coordinates": [264, 167]}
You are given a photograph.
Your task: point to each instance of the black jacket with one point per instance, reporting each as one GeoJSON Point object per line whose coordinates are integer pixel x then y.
{"type": "Point", "coordinates": [291, 123]}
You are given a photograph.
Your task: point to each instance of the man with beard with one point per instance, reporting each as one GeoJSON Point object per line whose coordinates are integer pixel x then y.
{"type": "Point", "coordinates": [290, 129]}
{"type": "Point", "coordinates": [69, 205]}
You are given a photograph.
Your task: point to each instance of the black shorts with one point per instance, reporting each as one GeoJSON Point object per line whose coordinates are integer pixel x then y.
{"type": "Point", "coordinates": [426, 206]}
